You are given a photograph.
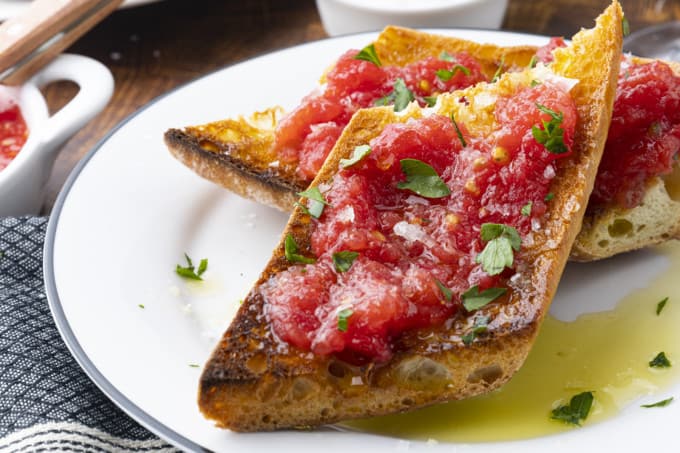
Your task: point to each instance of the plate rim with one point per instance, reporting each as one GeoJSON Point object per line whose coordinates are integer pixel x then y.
{"type": "Point", "coordinates": [54, 302]}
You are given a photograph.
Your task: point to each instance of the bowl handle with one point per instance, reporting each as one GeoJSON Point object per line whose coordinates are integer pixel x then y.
{"type": "Point", "coordinates": [96, 87]}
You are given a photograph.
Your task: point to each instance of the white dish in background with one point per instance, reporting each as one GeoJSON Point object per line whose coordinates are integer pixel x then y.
{"type": "Point", "coordinates": [10, 8]}
{"type": "Point", "coordinates": [129, 212]}
{"type": "Point", "coordinates": [340, 17]}
{"type": "Point", "coordinates": [22, 181]}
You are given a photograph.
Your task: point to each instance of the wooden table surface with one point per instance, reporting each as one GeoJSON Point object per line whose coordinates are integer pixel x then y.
{"type": "Point", "coordinates": [154, 48]}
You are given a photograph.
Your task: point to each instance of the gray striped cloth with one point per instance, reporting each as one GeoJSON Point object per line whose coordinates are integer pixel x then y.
{"type": "Point", "coordinates": [47, 403]}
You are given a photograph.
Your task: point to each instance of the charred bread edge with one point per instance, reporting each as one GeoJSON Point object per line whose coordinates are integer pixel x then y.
{"type": "Point", "coordinates": [233, 174]}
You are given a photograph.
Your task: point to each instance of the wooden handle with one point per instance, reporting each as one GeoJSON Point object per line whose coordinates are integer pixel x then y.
{"type": "Point", "coordinates": [34, 38]}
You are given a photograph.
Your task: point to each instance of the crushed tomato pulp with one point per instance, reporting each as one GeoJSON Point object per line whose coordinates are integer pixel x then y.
{"type": "Point", "coordinates": [307, 134]}
{"type": "Point", "coordinates": [406, 242]}
{"type": "Point", "coordinates": [644, 136]}
{"type": "Point", "coordinates": [13, 134]}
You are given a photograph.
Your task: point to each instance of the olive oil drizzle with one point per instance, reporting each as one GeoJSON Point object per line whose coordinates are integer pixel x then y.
{"type": "Point", "coordinates": [605, 352]}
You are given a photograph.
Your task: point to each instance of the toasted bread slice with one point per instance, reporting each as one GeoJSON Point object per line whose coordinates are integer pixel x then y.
{"type": "Point", "coordinates": [238, 153]}
{"type": "Point", "coordinates": [613, 230]}
{"type": "Point", "coordinates": [254, 382]}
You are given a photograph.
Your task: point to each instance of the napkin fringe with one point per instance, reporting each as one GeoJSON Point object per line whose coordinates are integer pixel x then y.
{"type": "Point", "coordinates": [74, 437]}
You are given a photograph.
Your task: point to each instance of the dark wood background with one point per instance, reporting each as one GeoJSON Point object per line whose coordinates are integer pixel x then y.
{"type": "Point", "coordinates": [154, 48]}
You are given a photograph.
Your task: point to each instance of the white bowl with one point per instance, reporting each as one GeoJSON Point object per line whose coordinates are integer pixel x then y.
{"type": "Point", "coordinates": [23, 181]}
{"type": "Point", "coordinates": [340, 17]}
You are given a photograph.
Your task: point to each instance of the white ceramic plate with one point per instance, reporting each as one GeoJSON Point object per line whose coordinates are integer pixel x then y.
{"type": "Point", "coordinates": [129, 212]}
{"type": "Point", "coordinates": [10, 8]}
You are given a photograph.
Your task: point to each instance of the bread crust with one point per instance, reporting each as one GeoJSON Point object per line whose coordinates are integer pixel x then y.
{"type": "Point", "coordinates": [253, 382]}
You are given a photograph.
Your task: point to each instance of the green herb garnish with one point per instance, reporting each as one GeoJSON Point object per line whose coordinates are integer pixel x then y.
{"type": "Point", "coordinates": [422, 179]}
{"type": "Point", "coordinates": [430, 100]}
{"type": "Point", "coordinates": [662, 403]}
{"type": "Point", "coordinates": [576, 411]}
{"type": "Point", "coordinates": [549, 197]}
{"type": "Point", "coordinates": [400, 96]}
{"type": "Point", "coordinates": [141, 306]}
{"type": "Point", "coordinates": [458, 132]}
{"type": "Point", "coordinates": [474, 300]}
{"type": "Point", "coordinates": [500, 240]}
{"type": "Point", "coordinates": [626, 26]}
{"type": "Point", "coordinates": [526, 209]}
{"type": "Point", "coordinates": [535, 83]}
{"type": "Point", "coordinates": [499, 71]}
{"type": "Point", "coordinates": [661, 305]}
{"type": "Point", "coordinates": [290, 248]}
{"type": "Point", "coordinates": [446, 74]}
{"type": "Point", "coordinates": [368, 53]}
{"type": "Point", "coordinates": [343, 260]}
{"type": "Point", "coordinates": [194, 365]}
{"type": "Point", "coordinates": [189, 271]}
{"type": "Point", "coordinates": [316, 201]}
{"type": "Point", "coordinates": [660, 361]}
{"type": "Point", "coordinates": [343, 318]}
{"type": "Point", "coordinates": [445, 56]}
{"type": "Point", "coordinates": [552, 135]}
{"type": "Point", "coordinates": [533, 62]}
{"type": "Point", "coordinates": [481, 325]}
{"type": "Point", "coordinates": [448, 294]}
{"type": "Point", "coordinates": [358, 154]}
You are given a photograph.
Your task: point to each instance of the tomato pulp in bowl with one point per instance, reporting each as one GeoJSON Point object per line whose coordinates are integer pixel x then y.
{"type": "Point", "coordinates": [13, 129]}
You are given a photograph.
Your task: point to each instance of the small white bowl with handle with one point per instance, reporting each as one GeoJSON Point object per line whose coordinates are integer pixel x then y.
{"type": "Point", "coordinates": [341, 17]}
{"type": "Point", "coordinates": [23, 181]}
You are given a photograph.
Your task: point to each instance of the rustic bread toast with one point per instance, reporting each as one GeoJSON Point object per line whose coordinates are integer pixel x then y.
{"type": "Point", "coordinates": [255, 382]}
{"type": "Point", "coordinates": [238, 153]}
{"type": "Point", "coordinates": [613, 230]}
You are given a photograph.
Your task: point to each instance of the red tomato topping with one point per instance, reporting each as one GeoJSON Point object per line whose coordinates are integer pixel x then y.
{"type": "Point", "coordinates": [406, 242]}
{"type": "Point", "coordinates": [13, 135]}
{"type": "Point", "coordinates": [354, 84]}
{"type": "Point", "coordinates": [544, 54]}
{"type": "Point", "coordinates": [644, 136]}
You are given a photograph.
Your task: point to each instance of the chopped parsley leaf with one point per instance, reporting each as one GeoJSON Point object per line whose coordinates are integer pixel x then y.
{"type": "Point", "coordinates": [400, 96]}
{"type": "Point", "coordinates": [194, 365]}
{"type": "Point", "coordinates": [189, 271]}
{"type": "Point", "coordinates": [526, 209]}
{"type": "Point", "coordinates": [445, 74]}
{"type": "Point", "coordinates": [458, 132]}
{"type": "Point", "coordinates": [446, 57]}
{"type": "Point", "coordinates": [660, 306]}
{"type": "Point", "coordinates": [552, 134]}
{"type": "Point", "coordinates": [549, 197]}
{"type": "Point", "coordinates": [533, 62]}
{"type": "Point", "coordinates": [422, 179]}
{"type": "Point", "coordinates": [290, 248]}
{"type": "Point", "coordinates": [625, 26]}
{"type": "Point", "coordinates": [343, 318]}
{"type": "Point", "coordinates": [660, 361]}
{"type": "Point", "coordinates": [343, 260]}
{"type": "Point", "coordinates": [662, 403]}
{"type": "Point", "coordinates": [358, 154]}
{"type": "Point", "coordinates": [141, 306]}
{"type": "Point", "coordinates": [448, 294]}
{"type": "Point", "coordinates": [316, 201]}
{"type": "Point", "coordinates": [576, 411]}
{"type": "Point", "coordinates": [499, 71]}
{"type": "Point", "coordinates": [430, 100]}
{"type": "Point", "coordinates": [500, 240]}
{"type": "Point", "coordinates": [368, 53]}
{"type": "Point", "coordinates": [481, 325]}
{"type": "Point", "coordinates": [474, 300]}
